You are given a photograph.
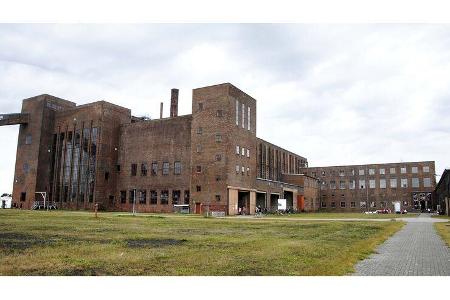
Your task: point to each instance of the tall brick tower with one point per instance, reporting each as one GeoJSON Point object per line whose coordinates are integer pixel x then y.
{"type": "Point", "coordinates": [223, 120]}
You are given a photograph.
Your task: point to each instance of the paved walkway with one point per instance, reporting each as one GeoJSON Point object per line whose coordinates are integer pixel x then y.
{"type": "Point", "coordinates": [416, 249]}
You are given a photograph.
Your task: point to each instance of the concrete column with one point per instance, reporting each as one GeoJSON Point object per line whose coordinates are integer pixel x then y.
{"type": "Point", "coordinates": [232, 202]}
{"type": "Point", "coordinates": [252, 203]}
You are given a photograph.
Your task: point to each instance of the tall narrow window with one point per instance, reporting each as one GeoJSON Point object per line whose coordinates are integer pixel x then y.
{"type": "Point", "coordinates": [243, 115]}
{"type": "Point", "coordinates": [248, 118]}
{"type": "Point", "coordinates": [177, 168]}
{"type": "Point", "coordinates": [165, 168]}
{"type": "Point", "coordinates": [237, 112]}
{"type": "Point", "coordinates": [133, 169]}
{"type": "Point", "coordinates": [154, 168]}
{"type": "Point", "coordinates": [144, 169]}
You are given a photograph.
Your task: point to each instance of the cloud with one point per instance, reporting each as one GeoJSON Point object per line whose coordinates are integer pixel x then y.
{"type": "Point", "coordinates": [336, 94]}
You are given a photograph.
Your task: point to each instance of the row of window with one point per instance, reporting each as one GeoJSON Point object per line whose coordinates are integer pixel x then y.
{"type": "Point", "coordinates": [242, 170]}
{"type": "Point", "coordinates": [362, 204]}
{"type": "Point", "coordinates": [241, 151]}
{"type": "Point", "coordinates": [415, 183]}
{"type": "Point", "coordinates": [243, 115]}
{"type": "Point", "coordinates": [140, 196]}
{"type": "Point", "coordinates": [372, 171]}
{"type": "Point", "coordinates": [154, 168]}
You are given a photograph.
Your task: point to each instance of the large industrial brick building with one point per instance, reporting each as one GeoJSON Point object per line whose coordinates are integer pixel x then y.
{"type": "Point", "coordinates": [210, 160]}
{"type": "Point", "coordinates": [99, 153]}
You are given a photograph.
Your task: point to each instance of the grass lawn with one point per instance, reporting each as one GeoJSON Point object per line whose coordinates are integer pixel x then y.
{"type": "Point", "coordinates": [328, 215]}
{"type": "Point", "coordinates": [444, 231]}
{"type": "Point", "coordinates": [76, 243]}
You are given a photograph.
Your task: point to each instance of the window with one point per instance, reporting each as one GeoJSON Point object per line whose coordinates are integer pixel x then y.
{"type": "Point", "coordinates": [341, 173]}
{"type": "Point", "coordinates": [248, 171]}
{"type": "Point", "coordinates": [118, 168]}
{"type": "Point", "coordinates": [243, 170]}
{"type": "Point", "coordinates": [26, 168]}
{"type": "Point", "coordinates": [382, 183]}
{"type": "Point", "coordinates": [426, 169]}
{"type": "Point", "coordinates": [218, 178]}
{"type": "Point", "coordinates": [200, 130]}
{"type": "Point", "coordinates": [238, 150]}
{"type": "Point", "coordinates": [248, 118]}
{"type": "Point", "coordinates": [351, 184]}
{"type": "Point", "coordinates": [403, 170]}
{"type": "Point", "coordinates": [314, 174]}
{"type": "Point", "coordinates": [248, 152]}
{"type": "Point", "coordinates": [219, 113]}
{"type": "Point", "coordinates": [415, 182]}
{"type": "Point", "coordinates": [165, 170]}
{"type": "Point", "coordinates": [177, 168]}
{"type": "Point", "coordinates": [332, 184]}
{"type": "Point", "coordinates": [199, 188]}
{"type": "Point", "coordinates": [342, 204]}
{"type": "Point", "coordinates": [176, 196]}
{"type": "Point", "coordinates": [28, 139]}
{"type": "Point", "coordinates": [427, 182]}
{"type": "Point", "coordinates": [371, 171]}
{"type": "Point", "coordinates": [200, 106]}
{"type": "Point", "coordinates": [237, 169]}
{"type": "Point", "coordinates": [404, 182]}
{"type": "Point", "coordinates": [382, 172]}
{"type": "Point", "coordinates": [353, 204]}
{"type": "Point", "coordinates": [324, 185]}
{"type": "Point", "coordinates": [199, 148]}
{"type": "Point", "coordinates": [243, 151]}
{"type": "Point", "coordinates": [361, 172]}
{"type": "Point", "coordinates": [153, 197]}
{"type": "Point", "coordinates": [414, 170]}
{"type": "Point", "coordinates": [392, 170]}
{"type": "Point", "coordinates": [198, 169]}
{"type": "Point", "coordinates": [333, 204]}
{"type": "Point", "coordinates": [164, 197]}
{"type": "Point", "coordinates": [362, 184]}
{"type": "Point", "coordinates": [144, 169]}
{"type": "Point", "coordinates": [237, 112]}
{"type": "Point", "coordinates": [362, 204]}
{"type": "Point", "coordinates": [218, 157]}
{"type": "Point", "coordinates": [243, 115]}
{"type": "Point", "coordinates": [154, 168]}
{"type": "Point", "coordinates": [323, 173]}
{"type": "Point", "coordinates": [217, 198]}
{"type": "Point", "coordinates": [342, 184]}
{"type": "Point", "coordinates": [106, 176]}
{"type": "Point", "coordinates": [218, 138]}
{"type": "Point", "coordinates": [131, 196]}
{"type": "Point", "coordinates": [186, 197]}
{"type": "Point", "coordinates": [393, 182]}
{"type": "Point", "coordinates": [373, 204]}
{"type": "Point", "coordinates": [23, 196]}
{"type": "Point", "coordinates": [142, 197]}
{"type": "Point", "coordinates": [382, 204]}
{"type": "Point", "coordinates": [123, 196]}
{"type": "Point", "coordinates": [323, 204]}
{"type": "Point", "coordinates": [133, 169]}
{"type": "Point", "coordinates": [372, 183]}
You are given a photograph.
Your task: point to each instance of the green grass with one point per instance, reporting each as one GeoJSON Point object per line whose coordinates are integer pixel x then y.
{"type": "Point", "coordinates": [330, 215]}
{"type": "Point", "coordinates": [441, 217]}
{"type": "Point", "coordinates": [444, 231]}
{"type": "Point", "coordinates": [76, 243]}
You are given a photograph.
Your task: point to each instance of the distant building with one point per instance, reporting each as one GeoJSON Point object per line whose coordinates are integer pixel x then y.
{"type": "Point", "coordinates": [376, 186]}
{"type": "Point", "coordinates": [442, 193]}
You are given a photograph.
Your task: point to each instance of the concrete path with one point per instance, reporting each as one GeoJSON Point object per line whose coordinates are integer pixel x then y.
{"type": "Point", "coordinates": [416, 249]}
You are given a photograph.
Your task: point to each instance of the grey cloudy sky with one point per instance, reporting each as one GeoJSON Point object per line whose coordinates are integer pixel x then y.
{"type": "Point", "coordinates": [336, 94]}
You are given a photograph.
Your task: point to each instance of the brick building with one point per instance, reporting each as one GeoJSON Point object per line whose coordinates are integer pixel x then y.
{"type": "Point", "coordinates": [442, 193]}
{"type": "Point", "coordinates": [99, 153]}
{"type": "Point", "coordinates": [376, 186]}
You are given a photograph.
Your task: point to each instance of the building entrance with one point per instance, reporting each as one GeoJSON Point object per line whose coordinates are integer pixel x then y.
{"type": "Point", "coordinates": [243, 202]}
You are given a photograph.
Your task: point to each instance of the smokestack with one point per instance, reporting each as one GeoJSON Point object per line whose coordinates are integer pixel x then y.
{"type": "Point", "coordinates": [173, 103]}
{"type": "Point", "coordinates": [161, 111]}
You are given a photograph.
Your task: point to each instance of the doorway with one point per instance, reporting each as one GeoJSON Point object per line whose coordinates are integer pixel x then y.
{"type": "Point", "coordinates": [261, 201]}
{"type": "Point", "coordinates": [274, 202]}
{"type": "Point", "coordinates": [243, 202]}
{"type": "Point", "coordinates": [289, 196]}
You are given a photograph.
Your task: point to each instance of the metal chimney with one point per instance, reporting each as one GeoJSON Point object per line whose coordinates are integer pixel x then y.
{"type": "Point", "coordinates": [161, 111]}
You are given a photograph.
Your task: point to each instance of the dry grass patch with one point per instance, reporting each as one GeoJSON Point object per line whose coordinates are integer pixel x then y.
{"type": "Point", "coordinates": [76, 243]}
